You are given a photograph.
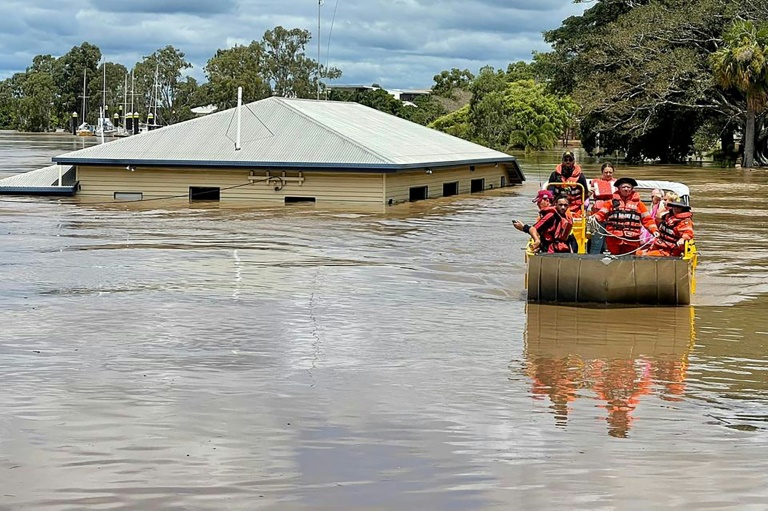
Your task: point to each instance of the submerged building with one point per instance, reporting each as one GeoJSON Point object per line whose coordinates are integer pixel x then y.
{"type": "Point", "coordinates": [281, 150]}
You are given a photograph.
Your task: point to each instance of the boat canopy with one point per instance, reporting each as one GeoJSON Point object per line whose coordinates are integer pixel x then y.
{"type": "Point", "coordinates": [680, 189]}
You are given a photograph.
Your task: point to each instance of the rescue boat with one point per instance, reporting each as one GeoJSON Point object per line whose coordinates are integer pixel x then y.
{"type": "Point", "coordinates": [608, 279]}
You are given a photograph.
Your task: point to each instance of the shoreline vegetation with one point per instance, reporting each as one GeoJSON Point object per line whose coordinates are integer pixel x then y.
{"type": "Point", "coordinates": [654, 81]}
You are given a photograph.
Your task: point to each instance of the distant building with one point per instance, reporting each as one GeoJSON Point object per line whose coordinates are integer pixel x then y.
{"type": "Point", "coordinates": [204, 110]}
{"type": "Point", "coordinates": [409, 95]}
{"type": "Point", "coordinates": [291, 150]}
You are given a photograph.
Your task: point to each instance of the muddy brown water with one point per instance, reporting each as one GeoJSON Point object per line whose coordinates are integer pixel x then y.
{"type": "Point", "coordinates": [168, 357]}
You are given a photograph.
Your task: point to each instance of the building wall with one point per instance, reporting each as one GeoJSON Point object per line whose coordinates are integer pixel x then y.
{"type": "Point", "coordinates": [235, 185]}
{"type": "Point", "coordinates": [398, 185]}
{"type": "Point", "coordinates": [103, 182]}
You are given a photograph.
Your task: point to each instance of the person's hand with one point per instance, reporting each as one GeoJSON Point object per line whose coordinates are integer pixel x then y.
{"type": "Point", "coordinates": [518, 224]}
{"type": "Point", "coordinates": [536, 246]}
{"type": "Point", "coordinates": [655, 234]}
{"type": "Point", "coordinates": [681, 242]}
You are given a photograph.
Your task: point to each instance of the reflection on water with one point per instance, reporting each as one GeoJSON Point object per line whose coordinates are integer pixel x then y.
{"type": "Point", "coordinates": [576, 353]}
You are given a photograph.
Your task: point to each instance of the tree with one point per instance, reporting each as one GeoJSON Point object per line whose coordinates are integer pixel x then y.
{"type": "Point", "coordinates": [743, 64]}
{"type": "Point", "coordinates": [289, 71]}
{"type": "Point", "coordinates": [239, 66]}
{"type": "Point", "coordinates": [157, 81]}
{"type": "Point", "coordinates": [448, 82]}
{"type": "Point", "coordinates": [68, 77]}
{"type": "Point", "coordinates": [455, 123]}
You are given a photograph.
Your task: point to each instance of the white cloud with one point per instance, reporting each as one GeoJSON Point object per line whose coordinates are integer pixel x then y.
{"type": "Point", "coordinates": [398, 43]}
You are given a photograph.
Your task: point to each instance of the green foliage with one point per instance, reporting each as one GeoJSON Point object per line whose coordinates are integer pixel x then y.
{"type": "Point", "coordinates": [640, 70]}
{"type": "Point", "coordinates": [156, 80]}
{"type": "Point", "coordinates": [427, 109]}
{"type": "Point", "coordinates": [239, 66]}
{"type": "Point", "coordinates": [455, 123]}
{"type": "Point", "coordinates": [289, 71]}
{"type": "Point", "coordinates": [68, 76]}
{"type": "Point", "coordinates": [448, 82]}
{"type": "Point", "coordinates": [742, 64]}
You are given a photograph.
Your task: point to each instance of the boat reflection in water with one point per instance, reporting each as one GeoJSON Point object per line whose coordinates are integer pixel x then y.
{"type": "Point", "coordinates": [614, 356]}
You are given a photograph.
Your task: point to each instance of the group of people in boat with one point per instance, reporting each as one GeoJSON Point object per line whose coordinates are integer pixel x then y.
{"type": "Point", "coordinates": [621, 223]}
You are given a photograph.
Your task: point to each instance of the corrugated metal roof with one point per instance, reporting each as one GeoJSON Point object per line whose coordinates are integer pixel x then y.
{"type": "Point", "coordinates": [282, 132]}
{"type": "Point", "coordinates": [43, 181]}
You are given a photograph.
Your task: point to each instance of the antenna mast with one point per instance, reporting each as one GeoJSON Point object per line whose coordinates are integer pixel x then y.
{"type": "Point", "coordinates": [319, 4]}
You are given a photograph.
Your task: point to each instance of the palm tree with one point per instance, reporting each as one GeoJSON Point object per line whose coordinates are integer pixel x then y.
{"type": "Point", "coordinates": [743, 64]}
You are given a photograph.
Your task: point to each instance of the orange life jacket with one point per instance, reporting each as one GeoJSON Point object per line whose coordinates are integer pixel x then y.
{"type": "Point", "coordinates": [671, 230]}
{"type": "Point", "coordinates": [575, 194]}
{"type": "Point", "coordinates": [603, 190]}
{"type": "Point", "coordinates": [625, 219]}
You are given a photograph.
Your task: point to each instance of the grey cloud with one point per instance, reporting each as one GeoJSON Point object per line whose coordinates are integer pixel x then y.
{"type": "Point", "coordinates": [198, 7]}
{"type": "Point", "coordinates": [402, 43]}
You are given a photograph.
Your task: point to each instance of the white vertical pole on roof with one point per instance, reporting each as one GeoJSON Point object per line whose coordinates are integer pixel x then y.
{"type": "Point", "coordinates": [59, 174]}
{"type": "Point", "coordinates": [239, 108]}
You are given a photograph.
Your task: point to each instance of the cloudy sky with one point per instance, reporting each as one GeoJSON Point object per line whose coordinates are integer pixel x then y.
{"type": "Point", "coordinates": [396, 43]}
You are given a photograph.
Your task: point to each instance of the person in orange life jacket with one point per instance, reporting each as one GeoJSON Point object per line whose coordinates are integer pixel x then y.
{"type": "Point", "coordinates": [569, 172]}
{"type": "Point", "coordinates": [675, 228]}
{"type": "Point", "coordinates": [602, 190]}
{"type": "Point", "coordinates": [551, 233]}
{"type": "Point", "coordinates": [543, 200]}
{"type": "Point", "coordinates": [624, 216]}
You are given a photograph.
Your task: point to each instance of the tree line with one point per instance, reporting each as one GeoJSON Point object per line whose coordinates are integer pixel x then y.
{"type": "Point", "coordinates": [665, 79]}
{"type": "Point", "coordinates": [45, 96]}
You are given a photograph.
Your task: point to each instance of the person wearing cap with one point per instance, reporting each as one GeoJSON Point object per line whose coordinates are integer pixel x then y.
{"type": "Point", "coordinates": [543, 200]}
{"type": "Point", "coordinates": [552, 232]}
{"type": "Point", "coordinates": [675, 228]}
{"type": "Point", "coordinates": [602, 190]}
{"type": "Point", "coordinates": [624, 217]}
{"type": "Point", "coordinates": [569, 172]}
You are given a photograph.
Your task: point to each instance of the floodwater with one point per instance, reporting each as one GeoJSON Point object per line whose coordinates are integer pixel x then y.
{"type": "Point", "coordinates": [206, 358]}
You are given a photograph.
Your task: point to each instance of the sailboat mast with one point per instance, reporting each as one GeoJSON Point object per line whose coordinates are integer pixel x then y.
{"type": "Point", "coordinates": [85, 71]}
{"type": "Point", "coordinates": [104, 88]}
{"type": "Point", "coordinates": [125, 98]}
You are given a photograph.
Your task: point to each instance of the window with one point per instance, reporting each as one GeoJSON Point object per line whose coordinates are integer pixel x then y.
{"type": "Point", "coordinates": [418, 193]}
{"type": "Point", "coordinates": [503, 181]}
{"type": "Point", "coordinates": [204, 193]}
{"type": "Point", "coordinates": [450, 189]}
{"type": "Point", "coordinates": [296, 200]}
{"type": "Point", "coordinates": [129, 196]}
{"type": "Point", "coordinates": [477, 185]}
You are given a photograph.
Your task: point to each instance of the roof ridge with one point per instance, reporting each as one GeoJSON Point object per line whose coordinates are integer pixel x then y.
{"type": "Point", "coordinates": [285, 102]}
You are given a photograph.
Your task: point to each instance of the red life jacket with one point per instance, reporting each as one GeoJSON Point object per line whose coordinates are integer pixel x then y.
{"type": "Point", "coordinates": [669, 233]}
{"type": "Point", "coordinates": [575, 193]}
{"type": "Point", "coordinates": [555, 239]}
{"type": "Point", "coordinates": [603, 191]}
{"type": "Point", "coordinates": [624, 219]}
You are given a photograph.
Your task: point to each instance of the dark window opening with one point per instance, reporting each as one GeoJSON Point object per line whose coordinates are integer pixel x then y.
{"type": "Point", "coordinates": [476, 185]}
{"type": "Point", "coordinates": [418, 193]}
{"type": "Point", "coordinates": [295, 200]}
{"type": "Point", "coordinates": [204, 193]}
{"type": "Point", "coordinates": [503, 181]}
{"type": "Point", "coordinates": [450, 189]}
